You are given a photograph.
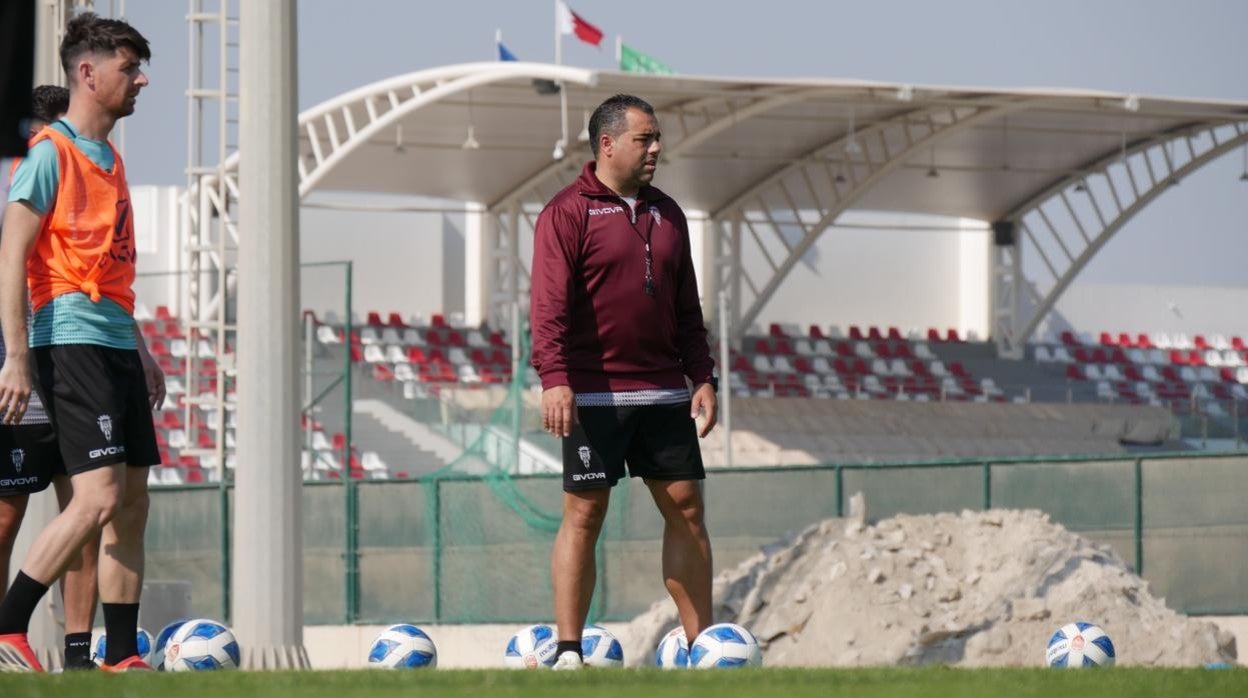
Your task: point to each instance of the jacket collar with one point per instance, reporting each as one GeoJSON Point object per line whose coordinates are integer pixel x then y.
{"type": "Point", "coordinates": [588, 184]}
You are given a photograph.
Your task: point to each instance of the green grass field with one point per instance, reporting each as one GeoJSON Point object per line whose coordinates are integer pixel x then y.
{"type": "Point", "coordinates": [859, 683]}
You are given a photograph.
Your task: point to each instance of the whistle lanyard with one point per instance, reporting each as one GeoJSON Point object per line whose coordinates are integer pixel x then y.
{"type": "Point", "coordinates": [651, 290]}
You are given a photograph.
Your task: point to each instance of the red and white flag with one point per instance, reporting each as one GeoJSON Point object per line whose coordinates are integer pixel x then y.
{"type": "Point", "coordinates": [571, 23]}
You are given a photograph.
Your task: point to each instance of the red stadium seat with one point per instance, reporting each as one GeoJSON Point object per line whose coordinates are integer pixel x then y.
{"type": "Point", "coordinates": [1200, 342]}
{"type": "Point", "coordinates": [338, 441]}
{"type": "Point", "coordinates": [382, 372]}
{"type": "Point", "coordinates": [501, 357]}
{"type": "Point", "coordinates": [783, 348]}
{"type": "Point", "coordinates": [957, 369]}
{"type": "Point", "coordinates": [1237, 343]}
{"type": "Point", "coordinates": [802, 365]}
{"type": "Point", "coordinates": [902, 351]}
{"type": "Point", "coordinates": [1178, 357]}
{"type": "Point", "coordinates": [740, 363]}
{"type": "Point", "coordinates": [1124, 340]}
{"type": "Point", "coordinates": [396, 320]}
{"type": "Point", "coordinates": [873, 334]}
{"type": "Point", "coordinates": [1227, 374]}
{"type": "Point", "coordinates": [374, 318]}
{"type": "Point", "coordinates": [933, 335]}
{"type": "Point", "coordinates": [952, 335]}
{"type": "Point", "coordinates": [1107, 340]}
{"type": "Point", "coordinates": [1068, 338]}
{"type": "Point", "coordinates": [416, 355]}
{"type": "Point", "coordinates": [845, 349]}
{"type": "Point", "coordinates": [162, 313]}
{"type": "Point", "coordinates": [762, 346]}
{"type": "Point", "coordinates": [1195, 358]}
{"type": "Point", "coordinates": [357, 355]}
{"type": "Point", "coordinates": [496, 340]}
{"type": "Point", "coordinates": [774, 330]}
{"type": "Point", "coordinates": [855, 333]}
{"type": "Point", "coordinates": [455, 338]}
{"type": "Point", "coordinates": [919, 368]}
{"type": "Point", "coordinates": [437, 320]}
{"type": "Point", "coordinates": [894, 335]}
{"type": "Point", "coordinates": [816, 332]}
{"type": "Point", "coordinates": [1142, 341]}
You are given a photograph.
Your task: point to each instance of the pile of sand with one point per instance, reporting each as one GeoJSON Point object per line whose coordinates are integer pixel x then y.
{"type": "Point", "coordinates": [976, 589]}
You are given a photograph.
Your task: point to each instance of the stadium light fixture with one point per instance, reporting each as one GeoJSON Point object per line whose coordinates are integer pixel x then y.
{"type": "Point", "coordinates": [471, 143]}
{"type": "Point", "coordinates": [851, 143]}
{"type": "Point", "coordinates": [583, 136]}
{"type": "Point", "coordinates": [398, 139]}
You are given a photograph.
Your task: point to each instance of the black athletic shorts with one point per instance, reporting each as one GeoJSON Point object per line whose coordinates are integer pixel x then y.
{"type": "Point", "coordinates": [97, 400]}
{"type": "Point", "coordinates": [659, 442]}
{"type": "Point", "coordinates": [29, 458]}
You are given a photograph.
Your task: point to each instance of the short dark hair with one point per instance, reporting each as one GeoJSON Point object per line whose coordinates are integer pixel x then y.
{"type": "Point", "coordinates": [91, 32]}
{"type": "Point", "coordinates": [49, 102]}
{"type": "Point", "coordinates": [611, 117]}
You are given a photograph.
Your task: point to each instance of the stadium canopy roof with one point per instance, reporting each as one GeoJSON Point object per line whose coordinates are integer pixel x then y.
{"type": "Point", "coordinates": [1067, 167]}
{"type": "Point", "coordinates": [723, 136]}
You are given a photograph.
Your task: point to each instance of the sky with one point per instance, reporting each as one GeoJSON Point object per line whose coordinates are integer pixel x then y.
{"type": "Point", "coordinates": [1195, 48]}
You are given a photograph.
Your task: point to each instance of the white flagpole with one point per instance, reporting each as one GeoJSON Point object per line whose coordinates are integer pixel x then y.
{"type": "Point", "coordinates": [561, 146]}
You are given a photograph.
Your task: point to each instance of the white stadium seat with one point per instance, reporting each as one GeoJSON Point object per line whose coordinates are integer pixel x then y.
{"type": "Point", "coordinates": [369, 335]}
{"type": "Point", "coordinates": [803, 348]}
{"type": "Point", "coordinates": [1061, 355]}
{"type": "Point", "coordinates": [821, 365]}
{"type": "Point", "coordinates": [1042, 354]}
{"type": "Point", "coordinates": [413, 338]}
{"type": "Point", "coordinates": [922, 351]}
{"type": "Point", "coordinates": [395, 354]}
{"type": "Point", "coordinates": [823, 348]}
{"type": "Point", "coordinates": [374, 354]}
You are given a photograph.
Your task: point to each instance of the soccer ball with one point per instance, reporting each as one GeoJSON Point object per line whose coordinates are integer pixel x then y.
{"type": "Point", "coordinates": [532, 648]}
{"type": "Point", "coordinates": [600, 648]}
{"type": "Point", "coordinates": [201, 645]}
{"type": "Point", "coordinates": [142, 639]}
{"type": "Point", "coordinates": [162, 639]}
{"type": "Point", "coordinates": [1078, 645]}
{"type": "Point", "coordinates": [725, 645]}
{"type": "Point", "coordinates": [673, 650]}
{"type": "Point", "coordinates": [402, 646]}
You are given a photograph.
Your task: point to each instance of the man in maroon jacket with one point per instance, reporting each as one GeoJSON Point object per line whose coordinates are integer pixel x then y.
{"type": "Point", "coordinates": [618, 337]}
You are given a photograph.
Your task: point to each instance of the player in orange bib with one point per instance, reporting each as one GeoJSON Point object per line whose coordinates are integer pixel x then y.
{"type": "Point", "coordinates": [68, 226]}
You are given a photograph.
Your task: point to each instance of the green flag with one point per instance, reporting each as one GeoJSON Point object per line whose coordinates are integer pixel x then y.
{"type": "Point", "coordinates": [634, 61]}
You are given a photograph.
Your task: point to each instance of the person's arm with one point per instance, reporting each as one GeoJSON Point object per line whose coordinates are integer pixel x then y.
{"type": "Point", "coordinates": [21, 229]}
{"type": "Point", "coordinates": [154, 376]}
{"type": "Point", "coordinates": [695, 353]}
{"type": "Point", "coordinates": [554, 258]}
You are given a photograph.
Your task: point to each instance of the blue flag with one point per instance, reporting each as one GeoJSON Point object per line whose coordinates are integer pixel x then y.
{"type": "Point", "coordinates": [504, 54]}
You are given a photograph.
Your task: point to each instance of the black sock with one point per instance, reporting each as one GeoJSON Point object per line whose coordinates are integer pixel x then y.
{"type": "Point", "coordinates": [19, 604]}
{"type": "Point", "coordinates": [121, 625]}
{"type": "Point", "coordinates": [569, 646]}
{"type": "Point", "coordinates": [77, 649]}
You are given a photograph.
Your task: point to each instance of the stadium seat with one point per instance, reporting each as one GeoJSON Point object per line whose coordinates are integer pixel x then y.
{"type": "Point", "coordinates": [894, 335]}
{"type": "Point", "coordinates": [1068, 339]}
{"type": "Point", "coordinates": [1042, 354]}
{"type": "Point", "coordinates": [370, 335]}
{"type": "Point", "coordinates": [855, 333]}
{"type": "Point", "coordinates": [1188, 374]}
{"type": "Point", "coordinates": [373, 353]}
{"type": "Point", "coordinates": [880, 367]}
{"type": "Point", "coordinates": [1208, 374]}
{"type": "Point", "coordinates": [874, 334]}
{"type": "Point", "coordinates": [834, 332]}
{"type": "Point", "coordinates": [922, 351]}
{"type": "Point", "coordinates": [328, 335]}
{"type": "Point", "coordinates": [1199, 342]}
{"type": "Point", "coordinates": [1237, 343]}
{"type": "Point", "coordinates": [781, 364]}
{"type": "Point", "coordinates": [783, 347]}
{"type": "Point", "coordinates": [774, 330]}
{"type": "Point", "coordinates": [1106, 339]}
{"type": "Point", "coordinates": [762, 346]}
{"type": "Point", "coordinates": [1111, 372]}
{"type": "Point", "coordinates": [396, 320]}
{"type": "Point", "coordinates": [390, 335]}
{"type": "Point", "coordinates": [403, 371]}
{"type": "Point", "coordinates": [803, 347]}
{"type": "Point", "coordinates": [1074, 373]}
{"type": "Point", "coordinates": [957, 369]}
{"type": "Point", "coordinates": [845, 350]}
{"type": "Point", "coordinates": [1124, 340]}
{"type": "Point", "coordinates": [395, 354]}
{"type": "Point", "coordinates": [802, 365]}
{"type": "Point", "coordinates": [898, 367]}
{"type": "Point", "coordinates": [816, 333]}
{"type": "Point", "coordinates": [933, 335]}
{"type": "Point", "coordinates": [823, 348]}
{"type": "Point", "coordinates": [863, 350]}
{"type": "Point", "coordinates": [821, 365]}
{"type": "Point", "coordinates": [937, 368]}
{"type": "Point", "coordinates": [374, 318]}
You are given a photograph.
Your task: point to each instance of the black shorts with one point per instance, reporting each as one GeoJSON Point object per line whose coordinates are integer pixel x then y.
{"type": "Point", "coordinates": [29, 458]}
{"type": "Point", "coordinates": [659, 442]}
{"type": "Point", "coordinates": [97, 400]}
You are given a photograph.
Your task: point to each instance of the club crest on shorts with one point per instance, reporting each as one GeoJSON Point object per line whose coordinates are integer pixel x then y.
{"type": "Point", "coordinates": [106, 426]}
{"type": "Point", "coordinates": [18, 456]}
{"type": "Point", "coordinates": [583, 452]}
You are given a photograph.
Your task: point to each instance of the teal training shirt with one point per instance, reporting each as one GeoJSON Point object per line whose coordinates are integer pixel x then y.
{"type": "Point", "coordinates": [70, 318]}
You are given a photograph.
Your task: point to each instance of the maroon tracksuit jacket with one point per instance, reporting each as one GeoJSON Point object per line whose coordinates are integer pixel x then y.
{"type": "Point", "coordinates": [595, 328]}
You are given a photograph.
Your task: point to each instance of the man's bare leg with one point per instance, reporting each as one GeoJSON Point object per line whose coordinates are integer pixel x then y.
{"type": "Point", "coordinates": [686, 551]}
{"type": "Point", "coordinates": [573, 569]}
{"type": "Point", "coordinates": [12, 511]}
{"type": "Point", "coordinates": [79, 590]}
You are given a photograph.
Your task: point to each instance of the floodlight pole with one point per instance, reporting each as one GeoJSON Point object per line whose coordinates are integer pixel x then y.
{"type": "Point", "coordinates": [268, 550]}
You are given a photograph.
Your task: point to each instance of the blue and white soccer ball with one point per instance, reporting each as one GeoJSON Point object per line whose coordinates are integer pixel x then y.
{"type": "Point", "coordinates": [532, 647]}
{"type": "Point", "coordinates": [600, 648]}
{"type": "Point", "coordinates": [403, 646]}
{"type": "Point", "coordinates": [1078, 645]}
{"type": "Point", "coordinates": [201, 645]}
{"type": "Point", "coordinates": [673, 650]}
{"type": "Point", "coordinates": [143, 640]}
{"type": "Point", "coordinates": [725, 645]}
{"type": "Point", "coordinates": [162, 639]}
